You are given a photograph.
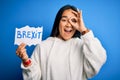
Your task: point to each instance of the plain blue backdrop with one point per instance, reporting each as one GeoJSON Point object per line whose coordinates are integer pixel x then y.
{"type": "Point", "coordinates": [101, 16]}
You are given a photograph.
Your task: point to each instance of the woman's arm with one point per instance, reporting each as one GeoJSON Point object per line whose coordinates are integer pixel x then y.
{"type": "Point", "coordinates": [33, 72]}
{"type": "Point", "coordinates": [94, 54]}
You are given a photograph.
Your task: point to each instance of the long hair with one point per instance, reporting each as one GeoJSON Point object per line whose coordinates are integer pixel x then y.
{"type": "Point", "coordinates": [55, 30]}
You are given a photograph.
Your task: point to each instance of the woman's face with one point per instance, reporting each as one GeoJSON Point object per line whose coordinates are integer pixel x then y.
{"type": "Point", "coordinates": [66, 30]}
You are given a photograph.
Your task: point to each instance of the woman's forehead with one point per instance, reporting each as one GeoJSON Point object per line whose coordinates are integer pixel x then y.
{"type": "Point", "coordinates": [68, 13]}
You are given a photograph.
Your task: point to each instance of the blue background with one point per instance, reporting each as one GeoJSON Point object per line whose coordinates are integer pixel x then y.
{"type": "Point", "coordinates": [102, 16]}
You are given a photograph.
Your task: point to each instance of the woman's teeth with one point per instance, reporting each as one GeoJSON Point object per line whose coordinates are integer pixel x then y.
{"type": "Point", "coordinates": [68, 30]}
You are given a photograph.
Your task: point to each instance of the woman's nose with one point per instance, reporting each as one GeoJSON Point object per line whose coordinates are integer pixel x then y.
{"type": "Point", "coordinates": [68, 24]}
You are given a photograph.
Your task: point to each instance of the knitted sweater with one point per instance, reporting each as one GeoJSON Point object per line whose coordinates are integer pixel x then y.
{"type": "Point", "coordinates": [74, 59]}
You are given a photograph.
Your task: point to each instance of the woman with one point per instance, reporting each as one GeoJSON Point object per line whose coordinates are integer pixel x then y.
{"type": "Point", "coordinates": [64, 56]}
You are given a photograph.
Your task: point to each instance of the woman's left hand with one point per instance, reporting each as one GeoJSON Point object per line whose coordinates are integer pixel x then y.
{"type": "Point", "coordinates": [77, 21]}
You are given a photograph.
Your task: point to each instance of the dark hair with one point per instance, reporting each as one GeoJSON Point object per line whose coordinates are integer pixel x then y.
{"type": "Point", "coordinates": [55, 30]}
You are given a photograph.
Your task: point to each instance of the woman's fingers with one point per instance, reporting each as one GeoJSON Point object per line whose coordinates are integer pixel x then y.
{"type": "Point", "coordinates": [21, 46]}
{"type": "Point", "coordinates": [20, 54]}
{"type": "Point", "coordinates": [77, 21]}
{"type": "Point", "coordinates": [75, 13]}
{"type": "Point", "coordinates": [74, 22]}
{"type": "Point", "coordinates": [78, 14]}
{"type": "Point", "coordinates": [21, 51]}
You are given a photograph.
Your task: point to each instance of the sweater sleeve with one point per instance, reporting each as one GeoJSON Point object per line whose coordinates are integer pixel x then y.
{"type": "Point", "coordinates": [33, 72]}
{"type": "Point", "coordinates": [94, 54]}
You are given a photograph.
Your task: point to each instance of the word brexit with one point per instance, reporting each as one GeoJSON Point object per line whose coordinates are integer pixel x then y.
{"type": "Point", "coordinates": [28, 35]}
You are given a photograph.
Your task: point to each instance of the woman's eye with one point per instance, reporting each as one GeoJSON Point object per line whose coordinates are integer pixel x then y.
{"type": "Point", "coordinates": [74, 20]}
{"type": "Point", "coordinates": [63, 20]}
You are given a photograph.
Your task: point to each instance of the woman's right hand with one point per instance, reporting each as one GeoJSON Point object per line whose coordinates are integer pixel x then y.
{"type": "Point", "coordinates": [21, 52]}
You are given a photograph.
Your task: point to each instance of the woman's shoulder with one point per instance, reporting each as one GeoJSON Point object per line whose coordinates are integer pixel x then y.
{"type": "Point", "coordinates": [47, 42]}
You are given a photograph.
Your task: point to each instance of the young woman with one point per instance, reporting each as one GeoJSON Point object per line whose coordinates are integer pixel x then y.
{"type": "Point", "coordinates": [72, 52]}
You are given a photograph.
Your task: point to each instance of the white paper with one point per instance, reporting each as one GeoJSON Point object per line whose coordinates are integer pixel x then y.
{"type": "Point", "coordinates": [28, 35]}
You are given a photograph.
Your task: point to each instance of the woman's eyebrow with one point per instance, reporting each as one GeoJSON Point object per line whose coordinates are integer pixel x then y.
{"type": "Point", "coordinates": [64, 17]}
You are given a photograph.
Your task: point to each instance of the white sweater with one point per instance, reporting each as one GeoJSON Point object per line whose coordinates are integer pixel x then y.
{"type": "Point", "coordinates": [74, 59]}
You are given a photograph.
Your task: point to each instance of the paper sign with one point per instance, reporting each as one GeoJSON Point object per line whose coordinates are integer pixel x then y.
{"type": "Point", "coordinates": [28, 35]}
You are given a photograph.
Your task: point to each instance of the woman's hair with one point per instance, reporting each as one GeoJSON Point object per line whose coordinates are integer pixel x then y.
{"type": "Point", "coordinates": [55, 30]}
